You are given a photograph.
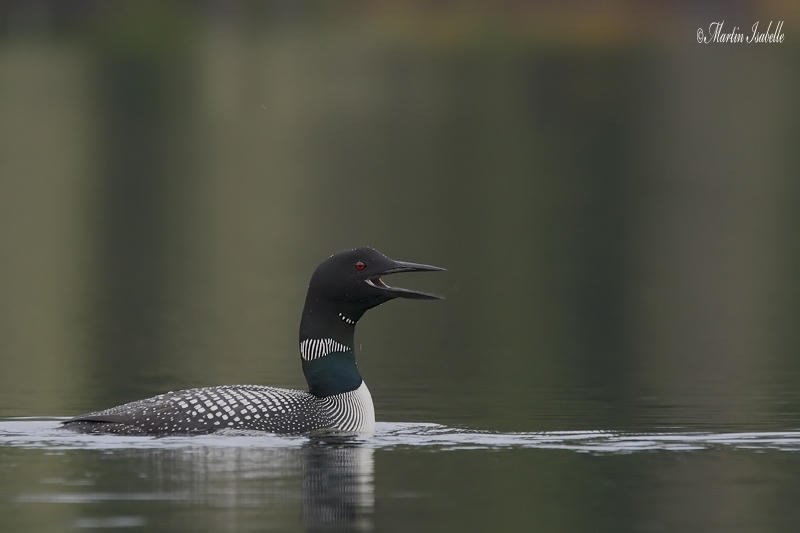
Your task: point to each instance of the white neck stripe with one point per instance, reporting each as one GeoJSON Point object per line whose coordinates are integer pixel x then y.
{"type": "Point", "coordinates": [348, 320]}
{"type": "Point", "coordinates": [311, 349]}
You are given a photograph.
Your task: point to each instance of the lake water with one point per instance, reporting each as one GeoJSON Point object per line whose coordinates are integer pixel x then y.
{"type": "Point", "coordinates": [408, 477]}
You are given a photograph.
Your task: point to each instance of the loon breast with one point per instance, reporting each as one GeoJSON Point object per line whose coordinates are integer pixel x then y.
{"type": "Point", "coordinates": [351, 411]}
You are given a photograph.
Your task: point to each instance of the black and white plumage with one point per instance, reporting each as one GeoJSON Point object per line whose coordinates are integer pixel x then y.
{"type": "Point", "coordinates": [341, 290]}
{"type": "Point", "coordinates": [235, 407]}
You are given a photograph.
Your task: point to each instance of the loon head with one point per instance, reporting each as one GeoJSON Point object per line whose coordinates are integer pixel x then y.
{"type": "Point", "coordinates": [353, 279]}
{"type": "Point", "coordinates": [342, 289]}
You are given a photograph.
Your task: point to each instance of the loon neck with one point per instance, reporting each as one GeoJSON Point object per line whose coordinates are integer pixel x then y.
{"type": "Point", "coordinates": [326, 347]}
{"type": "Point", "coordinates": [325, 320]}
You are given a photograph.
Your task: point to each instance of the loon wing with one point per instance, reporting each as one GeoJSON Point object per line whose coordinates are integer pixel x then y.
{"type": "Point", "coordinates": [141, 417]}
{"type": "Point", "coordinates": [200, 411]}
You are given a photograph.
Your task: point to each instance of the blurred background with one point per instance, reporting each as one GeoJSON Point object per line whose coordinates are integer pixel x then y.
{"type": "Point", "coordinates": [616, 204]}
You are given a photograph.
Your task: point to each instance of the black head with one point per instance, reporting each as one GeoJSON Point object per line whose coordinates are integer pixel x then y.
{"type": "Point", "coordinates": [353, 279]}
{"type": "Point", "coordinates": [342, 289]}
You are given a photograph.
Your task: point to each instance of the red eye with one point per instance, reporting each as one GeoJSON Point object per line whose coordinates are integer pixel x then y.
{"type": "Point", "coordinates": [360, 266]}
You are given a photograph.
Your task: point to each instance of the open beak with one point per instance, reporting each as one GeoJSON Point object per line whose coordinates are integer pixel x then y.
{"type": "Point", "coordinates": [397, 292]}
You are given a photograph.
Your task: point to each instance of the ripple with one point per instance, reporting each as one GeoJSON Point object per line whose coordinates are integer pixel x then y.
{"type": "Point", "coordinates": [44, 433]}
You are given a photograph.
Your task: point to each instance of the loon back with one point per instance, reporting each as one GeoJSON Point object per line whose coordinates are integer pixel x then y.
{"type": "Point", "coordinates": [234, 408]}
{"type": "Point", "coordinates": [342, 289]}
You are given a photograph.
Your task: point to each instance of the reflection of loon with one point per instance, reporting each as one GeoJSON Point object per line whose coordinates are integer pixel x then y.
{"type": "Point", "coordinates": [338, 488]}
{"type": "Point", "coordinates": [341, 290]}
{"type": "Point", "coordinates": [263, 484]}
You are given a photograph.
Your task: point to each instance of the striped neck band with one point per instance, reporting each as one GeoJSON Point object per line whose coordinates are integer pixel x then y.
{"type": "Point", "coordinates": [311, 349]}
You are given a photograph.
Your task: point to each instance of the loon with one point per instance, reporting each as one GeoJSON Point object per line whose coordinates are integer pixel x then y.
{"type": "Point", "coordinates": [342, 289]}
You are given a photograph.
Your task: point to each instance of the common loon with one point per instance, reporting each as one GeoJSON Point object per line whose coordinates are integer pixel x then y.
{"type": "Point", "coordinates": [342, 289]}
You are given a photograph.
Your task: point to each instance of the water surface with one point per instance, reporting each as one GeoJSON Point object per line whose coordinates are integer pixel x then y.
{"type": "Point", "coordinates": [408, 476]}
